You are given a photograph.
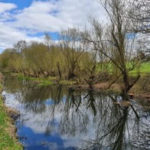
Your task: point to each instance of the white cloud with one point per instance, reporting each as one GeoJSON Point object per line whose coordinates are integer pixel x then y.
{"type": "Point", "coordinates": [6, 7]}
{"type": "Point", "coordinates": [9, 36]}
{"type": "Point", "coordinates": [45, 16]}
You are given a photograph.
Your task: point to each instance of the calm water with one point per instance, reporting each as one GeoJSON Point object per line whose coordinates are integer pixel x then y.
{"type": "Point", "coordinates": [59, 118]}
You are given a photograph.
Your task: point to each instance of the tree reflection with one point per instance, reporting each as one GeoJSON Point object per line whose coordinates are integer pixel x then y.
{"type": "Point", "coordinates": [98, 121]}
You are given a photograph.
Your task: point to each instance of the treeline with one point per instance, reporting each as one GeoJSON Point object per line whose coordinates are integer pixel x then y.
{"type": "Point", "coordinates": [42, 60]}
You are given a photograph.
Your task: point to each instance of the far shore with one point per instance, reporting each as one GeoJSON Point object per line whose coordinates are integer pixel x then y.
{"type": "Point", "coordinates": [137, 90]}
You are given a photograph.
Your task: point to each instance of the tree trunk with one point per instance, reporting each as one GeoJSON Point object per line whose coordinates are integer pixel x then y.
{"type": "Point", "coordinates": [126, 86]}
{"type": "Point", "coordinates": [59, 72]}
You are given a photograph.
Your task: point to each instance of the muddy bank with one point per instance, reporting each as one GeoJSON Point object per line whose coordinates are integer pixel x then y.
{"type": "Point", "coordinates": [13, 115]}
{"type": "Point", "coordinates": [104, 86]}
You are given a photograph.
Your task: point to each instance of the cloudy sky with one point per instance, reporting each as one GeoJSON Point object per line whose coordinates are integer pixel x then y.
{"type": "Point", "coordinates": [29, 19]}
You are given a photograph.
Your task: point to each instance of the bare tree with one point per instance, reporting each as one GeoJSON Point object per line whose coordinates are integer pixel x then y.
{"type": "Point", "coordinates": [113, 42]}
{"type": "Point", "coordinates": [140, 15]}
{"type": "Point", "coordinates": [20, 46]}
{"type": "Point", "coordinates": [47, 40]}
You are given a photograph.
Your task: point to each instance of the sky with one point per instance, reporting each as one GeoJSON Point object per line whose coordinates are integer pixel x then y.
{"type": "Point", "coordinates": [30, 19]}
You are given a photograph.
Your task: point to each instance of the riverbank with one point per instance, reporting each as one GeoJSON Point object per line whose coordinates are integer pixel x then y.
{"type": "Point", "coordinates": [135, 92]}
{"type": "Point", "coordinates": [8, 140]}
{"type": "Point", "coordinates": [140, 90]}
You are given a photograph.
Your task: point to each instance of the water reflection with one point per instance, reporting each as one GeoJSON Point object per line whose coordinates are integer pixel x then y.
{"type": "Point", "coordinates": [59, 118]}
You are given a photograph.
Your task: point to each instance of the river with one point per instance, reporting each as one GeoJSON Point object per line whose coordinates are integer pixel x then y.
{"type": "Point", "coordinates": [61, 118]}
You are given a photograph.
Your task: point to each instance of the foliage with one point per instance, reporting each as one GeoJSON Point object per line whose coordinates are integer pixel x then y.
{"type": "Point", "coordinates": [39, 60]}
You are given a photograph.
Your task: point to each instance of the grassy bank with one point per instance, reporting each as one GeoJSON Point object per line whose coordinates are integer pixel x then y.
{"type": "Point", "coordinates": [141, 88]}
{"type": "Point", "coordinates": [45, 81]}
{"type": "Point", "coordinates": [8, 140]}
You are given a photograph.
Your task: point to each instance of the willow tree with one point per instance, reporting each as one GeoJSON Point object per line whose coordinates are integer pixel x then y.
{"type": "Point", "coordinates": [112, 42]}
{"type": "Point", "coordinates": [37, 59]}
{"type": "Point", "coordinates": [72, 50]}
{"type": "Point", "coordinates": [10, 60]}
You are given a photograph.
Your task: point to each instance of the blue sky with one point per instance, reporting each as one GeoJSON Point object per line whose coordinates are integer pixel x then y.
{"type": "Point", "coordinates": [20, 3]}
{"type": "Point", "coordinates": [30, 19]}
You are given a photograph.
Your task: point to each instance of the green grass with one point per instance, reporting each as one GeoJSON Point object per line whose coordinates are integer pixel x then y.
{"type": "Point", "coordinates": [67, 82]}
{"type": "Point", "coordinates": [46, 81]}
{"type": "Point", "coordinates": [7, 142]}
{"type": "Point", "coordinates": [39, 81]}
{"type": "Point", "coordinates": [144, 69]}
